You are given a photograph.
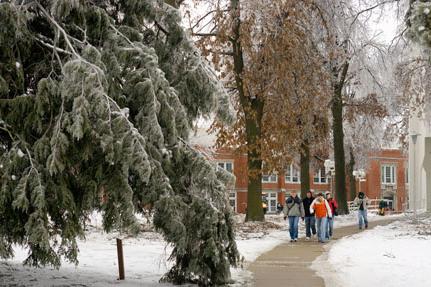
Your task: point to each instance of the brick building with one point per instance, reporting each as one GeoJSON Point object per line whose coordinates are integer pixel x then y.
{"type": "Point", "coordinates": [385, 178]}
{"type": "Point", "coordinates": [274, 186]}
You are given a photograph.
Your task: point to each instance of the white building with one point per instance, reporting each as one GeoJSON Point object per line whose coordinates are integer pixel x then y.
{"type": "Point", "coordinates": [420, 160]}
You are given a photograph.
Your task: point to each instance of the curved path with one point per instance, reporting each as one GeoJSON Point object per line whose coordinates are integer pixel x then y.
{"type": "Point", "coordinates": [289, 264]}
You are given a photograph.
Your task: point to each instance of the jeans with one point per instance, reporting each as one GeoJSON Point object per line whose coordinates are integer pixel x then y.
{"type": "Point", "coordinates": [310, 225]}
{"type": "Point", "coordinates": [330, 227]}
{"type": "Point", "coordinates": [321, 228]}
{"type": "Point", "coordinates": [362, 217]}
{"type": "Point", "coordinates": [293, 227]}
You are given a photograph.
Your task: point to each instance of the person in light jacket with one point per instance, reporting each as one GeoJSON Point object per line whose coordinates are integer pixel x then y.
{"type": "Point", "coordinates": [362, 202]}
{"type": "Point", "coordinates": [293, 209]}
{"type": "Point", "coordinates": [322, 211]}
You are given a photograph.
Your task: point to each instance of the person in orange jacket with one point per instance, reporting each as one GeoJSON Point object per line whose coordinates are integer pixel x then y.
{"type": "Point", "coordinates": [322, 211]}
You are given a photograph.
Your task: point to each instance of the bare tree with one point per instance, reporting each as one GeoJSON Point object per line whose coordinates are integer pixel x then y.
{"type": "Point", "coordinates": [269, 58]}
{"type": "Point", "coordinates": [348, 45]}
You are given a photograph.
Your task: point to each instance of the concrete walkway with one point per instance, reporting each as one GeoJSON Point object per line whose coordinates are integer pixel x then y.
{"type": "Point", "coordinates": [289, 264]}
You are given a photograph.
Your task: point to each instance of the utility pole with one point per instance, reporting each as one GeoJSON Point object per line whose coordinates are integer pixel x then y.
{"type": "Point", "coordinates": [330, 169]}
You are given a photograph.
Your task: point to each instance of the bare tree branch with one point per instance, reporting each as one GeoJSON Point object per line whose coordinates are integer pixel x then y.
{"type": "Point", "coordinates": [205, 34]}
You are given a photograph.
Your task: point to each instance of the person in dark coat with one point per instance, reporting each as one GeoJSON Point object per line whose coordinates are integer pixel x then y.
{"type": "Point", "coordinates": [310, 220]}
{"type": "Point", "coordinates": [362, 202]}
{"type": "Point", "coordinates": [334, 206]}
{"type": "Point", "coordinates": [382, 206]}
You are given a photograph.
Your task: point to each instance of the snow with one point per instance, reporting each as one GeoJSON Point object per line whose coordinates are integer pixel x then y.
{"type": "Point", "coordinates": [146, 256]}
{"type": "Point", "coordinates": [253, 244]}
{"type": "Point", "coordinates": [201, 136]}
{"type": "Point", "coordinates": [20, 153]}
{"type": "Point", "coordinates": [394, 255]}
{"type": "Point", "coordinates": [351, 219]}
{"type": "Point", "coordinates": [145, 262]}
{"type": "Point", "coordinates": [125, 112]}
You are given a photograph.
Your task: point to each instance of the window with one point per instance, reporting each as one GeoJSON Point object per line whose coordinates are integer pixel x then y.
{"type": "Point", "coordinates": [227, 165]}
{"type": "Point", "coordinates": [292, 174]}
{"type": "Point", "coordinates": [320, 176]}
{"type": "Point", "coordinates": [232, 200]}
{"type": "Point", "coordinates": [388, 174]}
{"type": "Point", "coordinates": [269, 178]}
{"type": "Point", "coordinates": [272, 202]}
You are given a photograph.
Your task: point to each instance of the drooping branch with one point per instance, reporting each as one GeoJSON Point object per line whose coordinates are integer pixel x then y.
{"type": "Point", "coordinates": [54, 47]}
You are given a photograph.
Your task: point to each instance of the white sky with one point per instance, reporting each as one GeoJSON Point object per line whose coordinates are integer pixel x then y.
{"type": "Point", "coordinates": [386, 22]}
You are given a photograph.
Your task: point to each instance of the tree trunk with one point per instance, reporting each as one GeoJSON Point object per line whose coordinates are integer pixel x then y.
{"type": "Point", "coordinates": [253, 110]}
{"type": "Point", "coordinates": [338, 134]}
{"type": "Point", "coordinates": [305, 168]}
{"type": "Point", "coordinates": [254, 162]}
{"type": "Point", "coordinates": [352, 181]}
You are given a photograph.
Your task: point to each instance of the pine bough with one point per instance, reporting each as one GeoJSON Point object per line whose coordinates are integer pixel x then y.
{"type": "Point", "coordinates": [96, 98]}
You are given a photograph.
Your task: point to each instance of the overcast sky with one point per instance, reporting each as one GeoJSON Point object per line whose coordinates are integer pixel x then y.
{"type": "Point", "coordinates": [386, 22]}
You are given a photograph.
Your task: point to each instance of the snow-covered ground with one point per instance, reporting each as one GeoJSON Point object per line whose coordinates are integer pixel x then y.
{"type": "Point", "coordinates": [351, 219]}
{"type": "Point", "coordinates": [394, 255]}
{"type": "Point", "coordinates": [145, 256]}
{"type": "Point", "coordinates": [145, 262]}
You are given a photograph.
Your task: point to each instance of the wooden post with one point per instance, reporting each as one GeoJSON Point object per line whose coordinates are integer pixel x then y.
{"type": "Point", "coordinates": [120, 259]}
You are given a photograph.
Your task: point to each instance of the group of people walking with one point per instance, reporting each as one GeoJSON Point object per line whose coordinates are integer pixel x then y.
{"type": "Point", "coordinates": [318, 212]}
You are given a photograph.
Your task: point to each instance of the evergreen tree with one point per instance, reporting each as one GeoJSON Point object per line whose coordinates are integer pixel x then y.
{"type": "Point", "coordinates": [96, 100]}
{"type": "Point", "coordinates": [418, 19]}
